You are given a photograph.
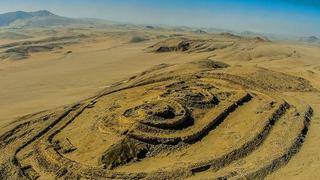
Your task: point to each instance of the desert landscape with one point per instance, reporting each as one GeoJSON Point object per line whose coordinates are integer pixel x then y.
{"type": "Point", "coordinates": [93, 99]}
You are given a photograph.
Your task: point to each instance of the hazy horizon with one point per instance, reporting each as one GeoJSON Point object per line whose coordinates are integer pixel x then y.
{"type": "Point", "coordinates": [290, 17]}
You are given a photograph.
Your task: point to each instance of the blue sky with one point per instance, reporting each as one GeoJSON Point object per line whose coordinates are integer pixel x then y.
{"type": "Point", "coordinates": [291, 17]}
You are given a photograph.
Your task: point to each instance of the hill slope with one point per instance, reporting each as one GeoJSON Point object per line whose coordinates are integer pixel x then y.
{"type": "Point", "coordinates": [8, 18]}
{"type": "Point", "coordinates": [43, 18]}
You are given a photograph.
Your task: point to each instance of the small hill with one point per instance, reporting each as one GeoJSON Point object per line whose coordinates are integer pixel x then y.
{"type": "Point", "coordinates": [310, 39]}
{"type": "Point", "coordinates": [199, 31]}
{"type": "Point", "coordinates": [188, 45]}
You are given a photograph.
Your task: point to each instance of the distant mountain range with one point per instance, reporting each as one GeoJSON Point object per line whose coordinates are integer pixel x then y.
{"type": "Point", "coordinates": [43, 18]}
{"type": "Point", "coordinates": [311, 39]}
{"type": "Point", "coordinates": [10, 17]}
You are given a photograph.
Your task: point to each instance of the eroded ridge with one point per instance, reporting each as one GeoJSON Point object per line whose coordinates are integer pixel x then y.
{"type": "Point", "coordinates": [161, 125]}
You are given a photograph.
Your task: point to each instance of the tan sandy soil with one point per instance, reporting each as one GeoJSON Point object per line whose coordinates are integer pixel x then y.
{"type": "Point", "coordinates": [148, 104]}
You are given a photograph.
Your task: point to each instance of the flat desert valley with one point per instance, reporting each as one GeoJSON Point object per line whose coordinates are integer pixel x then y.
{"type": "Point", "coordinates": [142, 102]}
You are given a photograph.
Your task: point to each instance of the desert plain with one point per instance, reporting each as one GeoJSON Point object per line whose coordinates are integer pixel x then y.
{"type": "Point", "coordinates": [143, 102]}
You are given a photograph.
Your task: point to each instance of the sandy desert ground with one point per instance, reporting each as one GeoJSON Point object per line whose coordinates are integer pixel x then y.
{"type": "Point", "coordinates": [147, 103]}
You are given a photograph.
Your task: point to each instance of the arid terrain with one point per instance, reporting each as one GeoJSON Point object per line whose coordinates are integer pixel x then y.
{"type": "Point", "coordinates": [141, 102]}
